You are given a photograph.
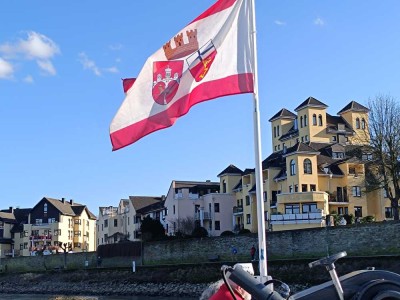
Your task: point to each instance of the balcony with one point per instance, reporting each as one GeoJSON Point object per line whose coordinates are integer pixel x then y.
{"type": "Point", "coordinates": [302, 197]}
{"type": "Point", "coordinates": [202, 215]}
{"type": "Point", "coordinates": [307, 218]}
{"type": "Point", "coordinates": [48, 237]}
{"type": "Point", "coordinates": [237, 210]}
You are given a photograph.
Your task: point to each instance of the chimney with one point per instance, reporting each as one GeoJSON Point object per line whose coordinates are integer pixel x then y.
{"type": "Point", "coordinates": [163, 198]}
{"type": "Point", "coordinates": [11, 209]}
{"type": "Point", "coordinates": [63, 200]}
{"type": "Point", "coordinates": [71, 201]}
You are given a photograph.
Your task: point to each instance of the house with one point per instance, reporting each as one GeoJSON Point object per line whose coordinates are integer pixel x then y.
{"type": "Point", "coordinates": [199, 203]}
{"type": "Point", "coordinates": [52, 223]}
{"type": "Point", "coordinates": [317, 168]}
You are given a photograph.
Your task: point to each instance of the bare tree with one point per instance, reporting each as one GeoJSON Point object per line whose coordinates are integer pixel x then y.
{"type": "Point", "coordinates": [384, 127]}
{"type": "Point", "coordinates": [186, 225]}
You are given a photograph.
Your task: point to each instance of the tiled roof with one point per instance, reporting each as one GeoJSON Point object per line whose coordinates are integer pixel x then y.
{"type": "Point", "coordinates": [290, 134]}
{"type": "Point", "coordinates": [283, 114]}
{"type": "Point", "coordinates": [189, 184]}
{"type": "Point", "coordinates": [7, 217]}
{"type": "Point", "coordinates": [248, 171]}
{"type": "Point", "coordinates": [300, 147]}
{"type": "Point", "coordinates": [231, 169]}
{"type": "Point", "coordinates": [310, 101]}
{"type": "Point", "coordinates": [157, 206]}
{"type": "Point", "coordinates": [353, 106]}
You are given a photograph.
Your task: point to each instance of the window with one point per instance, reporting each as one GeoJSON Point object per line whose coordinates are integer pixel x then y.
{"type": "Point", "coordinates": [224, 186]}
{"type": "Point", "coordinates": [319, 120]}
{"type": "Point", "coordinates": [57, 232]}
{"type": "Point", "coordinates": [356, 191]}
{"type": "Point", "coordinates": [38, 221]}
{"type": "Point", "coordinates": [388, 212]}
{"type": "Point", "coordinates": [352, 170]}
{"type": "Point", "coordinates": [77, 233]}
{"type": "Point", "coordinates": [115, 223]}
{"type": "Point", "coordinates": [217, 225]}
{"type": "Point", "coordinates": [305, 120]}
{"type": "Point", "coordinates": [25, 245]}
{"type": "Point", "coordinates": [21, 246]}
{"type": "Point", "coordinates": [247, 200]}
{"type": "Point", "coordinates": [216, 207]}
{"type": "Point", "coordinates": [78, 221]}
{"type": "Point", "coordinates": [51, 220]}
{"type": "Point", "coordinates": [334, 138]}
{"type": "Point", "coordinates": [296, 188]}
{"type": "Point", "coordinates": [362, 123]}
{"type": "Point", "coordinates": [274, 131]}
{"type": "Point", "coordinates": [248, 219]}
{"type": "Point", "coordinates": [313, 187]}
{"type": "Point", "coordinates": [358, 123]}
{"type": "Point", "coordinates": [105, 223]}
{"type": "Point", "coordinates": [307, 166]}
{"type": "Point", "coordinates": [45, 208]}
{"type": "Point", "coordinates": [173, 209]}
{"type": "Point", "coordinates": [358, 211]}
{"type": "Point", "coordinates": [265, 196]}
{"type": "Point", "coordinates": [292, 167]}
{"type": "Point", "coordinates": [343, 210]}
{"type": "Point", "coordinates": [292, 209]}
{"type": "Point", "coordinates": [290, 189]}
{"type": "Point", "coordinates": [277, 130]}
{"type": "Point", "coordinates": [301, 122]}
{"type": "Point", "coordinates": [385, 193]}
{"type": "Point", "coordinates": [337, 154]}
{"type": "Point", "coordinates": [304, 187]}
{"type": "Point", "coordinates": [309, 208]}
{"type": "Point", "coordinates": [306, 138]}
{"type": "Point", "coordinates": [314, 119]}
{"type": "Point", "coordinates": [367, 156]}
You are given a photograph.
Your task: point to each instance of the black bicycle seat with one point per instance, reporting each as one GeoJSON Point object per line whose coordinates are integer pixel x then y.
{"type": "Point", "coordinates": [327, 261]}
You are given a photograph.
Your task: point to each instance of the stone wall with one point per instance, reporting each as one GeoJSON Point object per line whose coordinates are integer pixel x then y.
{"type": "Point", "coordinates": [357, 240]}
{"type": "Point", "coordinates": [360, 239]}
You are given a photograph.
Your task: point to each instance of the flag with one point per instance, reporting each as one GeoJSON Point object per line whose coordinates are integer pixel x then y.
{"type": "Point", "coordinates": [209, 58]}
{"type": "Point", "coordinates": [127, 83]}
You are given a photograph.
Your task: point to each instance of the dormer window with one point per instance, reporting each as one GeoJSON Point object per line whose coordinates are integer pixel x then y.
{"type": "Point", "coordinates": [367, 156]}
{"type": "Point", "coordinates": [337, 155]}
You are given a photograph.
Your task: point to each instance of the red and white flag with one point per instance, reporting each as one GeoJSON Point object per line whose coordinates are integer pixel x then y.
{"type": "Point", "coordinates": [209, 58]}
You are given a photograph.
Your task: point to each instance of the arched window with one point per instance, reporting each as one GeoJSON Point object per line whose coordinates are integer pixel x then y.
{"type": "Point", "coordinates": [305, 120]}
{"type": "Point", "coordinates": [314, 119]}
{"type": "Point", "coordinates": [319, 120]}
{"type": "Point", "coordinates": [277, 130]}
{"type": "Point", "coordinates": [307, 166]}
{"type": "Point", "coordinates": [362, 123]}
{"type": "Point", "coordinates": [292, 167]}
{"type": "Point", "coordinates": [301, 122]}
{"type": "Point", "coordinates": [358, 123]}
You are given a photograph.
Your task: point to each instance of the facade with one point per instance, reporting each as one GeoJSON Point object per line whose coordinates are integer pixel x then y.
{"type": "Point", "coordinates": [317, 169]}
{"type": "Point", "coordinates": [123, 222]}
{"type": "Point", "coordinates": [201, 204]}
{"type": "Point", "coordinates": [49, 225]}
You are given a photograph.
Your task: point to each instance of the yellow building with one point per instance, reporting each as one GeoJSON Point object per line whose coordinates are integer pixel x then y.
{"type": "Point", "coordinates": [317, 169]}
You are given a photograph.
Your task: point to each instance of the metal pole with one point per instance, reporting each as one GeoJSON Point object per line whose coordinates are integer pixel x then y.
{"type": "Point", "coordinates": [257, 147]}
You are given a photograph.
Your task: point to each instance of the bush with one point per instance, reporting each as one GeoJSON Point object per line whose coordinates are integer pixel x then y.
{"type": "Point", "coordinates": [368, 219]}
{"type": "Point", "coordinates": [200, 232]}
{"type": "Point", "coordinates": [244, 231]}
{"type": "Point", "coordinates": [227, 233]}
{"type": "Point", "coordinates": [349, 219]}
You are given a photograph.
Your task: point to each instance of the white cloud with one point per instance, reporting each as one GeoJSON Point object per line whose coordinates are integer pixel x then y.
{"type": "Point", "coordinates": [6, 69]}
{"type": "Point", "coordinates": [46, 66]}
{"type": "Point", "coordinates": [319, 22]}
{"type": "Point", "coordinates": [115, 47]}
{"type": "Point", "coordinates": [280, 23]}
{"type": "Point", "coordinates": [36, 47]}
{"type": "Point", "coordinates": [112, 70]}
{"type": "Point", "coordinates": [89, 64]}
{"type": "Point", "coordinates": [28, 79]}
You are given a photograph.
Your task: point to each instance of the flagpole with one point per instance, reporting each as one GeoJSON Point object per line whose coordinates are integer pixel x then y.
{"type": "Point", "coordinates": [262, 253]}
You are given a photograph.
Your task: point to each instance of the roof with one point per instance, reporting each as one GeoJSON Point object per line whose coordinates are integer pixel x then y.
{"type": "Point", "coordinates": [152, 207]}
{"type": "Point", "coordinates": [290, 134]}
{"type": "Point", "coordinates": [311, 102]}
{"type": "Point", "coordinates": [238, 186]}
{"type": "Point", "coordinates": [300, 147]}
{"type": "Point", "coordinates": [283, 114]}
{"type": "Point", "coordinates": [139, 202]}
{"type": "Point", "coordinates": [189, 184]}
{"type": "Point", "coordinates": [7, 217]}
{"type": "Point", "coordinates": [231, 169]}
{"type": "Point", "coordinates": [68, 208]}
{"type": "Point", "coordinates": [353, 106]}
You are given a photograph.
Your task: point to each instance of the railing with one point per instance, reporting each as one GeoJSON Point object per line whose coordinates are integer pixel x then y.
{"type": "Point", "coordinates": [306, 218]}
{"type": "Point", "coordinates": [237, 210]}
{"type": "Point", "coordinates": [41, 237]}
{"type": "Point", "coordinates": [202, 215]}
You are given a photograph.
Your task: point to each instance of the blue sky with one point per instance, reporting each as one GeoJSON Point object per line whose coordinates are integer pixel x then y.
{"type": "Point", "coordinates": [61, 66]}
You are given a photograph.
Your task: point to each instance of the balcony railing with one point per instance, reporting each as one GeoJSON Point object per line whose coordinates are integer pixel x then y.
{"type": "Point", "coordinates": [307, 218]}
{"type": "Point", "coordinates": [238, 210]}
{"type": "Point", "coordinates": [41, 237]}
{"type": "Point", "coordinates": [202, 215]}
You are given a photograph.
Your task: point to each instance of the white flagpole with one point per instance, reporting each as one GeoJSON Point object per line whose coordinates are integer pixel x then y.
{"type": "Point", "coordinates": [258, 169]}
